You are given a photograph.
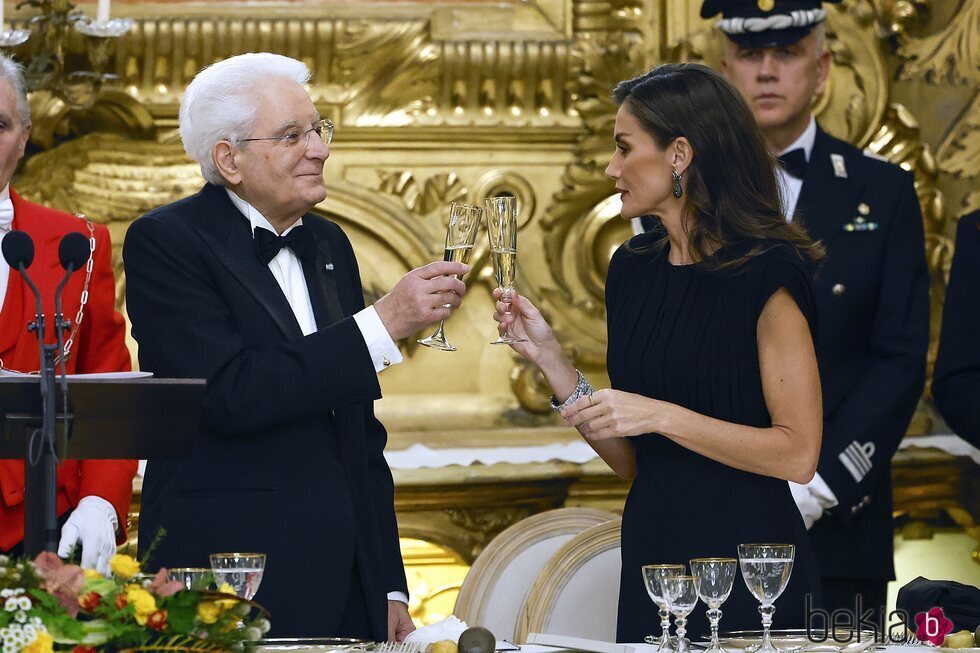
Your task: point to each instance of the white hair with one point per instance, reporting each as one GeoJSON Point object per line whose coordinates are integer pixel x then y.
{"type": "Point", "coordinates": [13, 73]}
{"type": "Point", "coordinates": [219, 103]}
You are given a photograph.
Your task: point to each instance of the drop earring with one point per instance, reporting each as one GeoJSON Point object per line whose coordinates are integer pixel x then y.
{"type": "Point", "coordinates": [678, 191]}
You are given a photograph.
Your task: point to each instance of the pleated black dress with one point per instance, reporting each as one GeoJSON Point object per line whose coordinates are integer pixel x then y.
{"type": "Point", "coordinates": [687, 335]}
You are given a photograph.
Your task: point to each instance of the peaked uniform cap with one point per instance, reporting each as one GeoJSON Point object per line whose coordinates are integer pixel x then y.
{"type": "Point", "coordinates": [765, 23]}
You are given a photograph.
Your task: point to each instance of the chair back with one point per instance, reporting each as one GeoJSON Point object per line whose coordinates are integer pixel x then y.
{"type": "Point", "coordinates": [577, 592]}
{"type": "Point", "coordinates": [498, 582]}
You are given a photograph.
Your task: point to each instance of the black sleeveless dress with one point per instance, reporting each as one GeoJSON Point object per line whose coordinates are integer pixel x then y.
{"type": "Point", "coordinates": [688, 336]}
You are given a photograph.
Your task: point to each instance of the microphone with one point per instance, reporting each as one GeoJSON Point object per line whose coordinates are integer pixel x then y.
{"type": "Point", "coordinates": [18, 249]}
{"type": "Point", "coordinates": [73, 251]}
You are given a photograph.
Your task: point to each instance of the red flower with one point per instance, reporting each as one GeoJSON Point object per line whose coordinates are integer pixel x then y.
{"type": "Point", "coordinates": [83, 649]}
{"type": "Point", "coordinates": [90, 601]}
{"type": "Point", "coordinates": [157, 620]}
{"type": "Point", "coordinates": [121, 601]}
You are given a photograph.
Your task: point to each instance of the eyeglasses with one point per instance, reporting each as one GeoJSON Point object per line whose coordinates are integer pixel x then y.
{"type": "Point", "coordinates": [323, 128]}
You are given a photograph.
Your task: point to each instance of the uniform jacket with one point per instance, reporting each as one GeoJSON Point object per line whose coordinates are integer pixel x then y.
{"type": "Point", "coordinates": [99, 347]}
{"type": "Point", "coordinates": [872, 333]}
{"type": "Point", "coordinates": [289, 461]}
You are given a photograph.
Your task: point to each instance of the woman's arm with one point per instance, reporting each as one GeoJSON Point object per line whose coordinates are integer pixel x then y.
{"type": "Point", "coordinates": [543, 350]}
{"type": "Point", "coordinates": [789, 449]}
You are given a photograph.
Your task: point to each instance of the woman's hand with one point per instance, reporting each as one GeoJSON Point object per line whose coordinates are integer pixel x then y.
{"type": "Point", "coordinates": [615, 414]}
{"type": "Point", "coordinates": [522, 319]}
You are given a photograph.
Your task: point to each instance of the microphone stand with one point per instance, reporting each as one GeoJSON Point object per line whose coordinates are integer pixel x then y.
{"type": "Point", "coordinates": [40, 506]}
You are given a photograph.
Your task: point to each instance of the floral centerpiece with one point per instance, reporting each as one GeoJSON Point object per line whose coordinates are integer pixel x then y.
{"type": "Point", "coordinates": [47, 605]}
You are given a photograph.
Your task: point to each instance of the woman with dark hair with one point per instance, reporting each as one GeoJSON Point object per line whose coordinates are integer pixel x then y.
{"type": "Point", "coordinates": [715, 399]}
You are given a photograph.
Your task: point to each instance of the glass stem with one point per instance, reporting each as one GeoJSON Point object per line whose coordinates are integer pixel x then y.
{"type": "Point", "coordinates": [439, 332]}
{"type": "Point", "coordinates": [665, 626]}
{"type": "Point", "coordinates": [714, 616]}
{"type": "Point", "coordinates": [505, 298]}
{"type": "Point", "coordinates": [766, 611]}
{"type": "Point", "coordinates": [680, 627]}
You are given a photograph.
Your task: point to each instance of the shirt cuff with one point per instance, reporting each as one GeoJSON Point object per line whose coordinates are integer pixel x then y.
{"type": "Point", "coordinates": [822, 492]}
{"type": "Point", "coordinates": [384, 352]}
{"type": "Point", "coordinates": [398, 596]}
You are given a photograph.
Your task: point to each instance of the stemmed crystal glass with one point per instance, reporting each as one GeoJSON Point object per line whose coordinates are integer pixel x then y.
{"type": "Point", "coordinates": [243, 571]}
{"type": "Point", "coordinates": [766, 569]}
{"type": "Point", "coordinates": [653, 579]}
{"type": "Point", "coordinates": [193, 578]}
{"type": "Point", "coordinates": [502, 230]}
{"type": "Point", "coordinates": [682, 596]}
{"type": "Point", "coordinates": [464, 222]}
{"type": "Point", "coordinates": [713, 579]}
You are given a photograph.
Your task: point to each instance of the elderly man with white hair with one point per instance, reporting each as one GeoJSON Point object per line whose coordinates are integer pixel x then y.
{"type": "Point", "coordinates": [241, 285]}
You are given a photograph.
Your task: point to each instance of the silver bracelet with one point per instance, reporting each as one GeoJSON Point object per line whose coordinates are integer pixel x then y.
{"type": "Point", "coordinates": [582, 388]}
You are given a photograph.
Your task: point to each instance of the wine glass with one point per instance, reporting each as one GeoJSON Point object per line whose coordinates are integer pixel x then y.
{"type": "Point", "coordinates": [502, 230]}
{"type": "Point", "coordinates": [653, 577]}
{"type": "Point", "coordinates": [193, 578]}
{"type": "Point", "coordinates": [682, 596]}
{"type": "Point", "coordinates": [243, 571]}
{"type": "Point", "coordinates": [766, 569]}
{"type": "Point", "coordinates": [713, 578]}
{"type": "Point", "coordinates": [464, 222]}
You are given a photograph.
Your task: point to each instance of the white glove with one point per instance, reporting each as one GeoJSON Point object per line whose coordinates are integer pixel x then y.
{"type": "Point", "coordinates": [94, 523]}
{"type": "Point", "coordinates": [812, 499]}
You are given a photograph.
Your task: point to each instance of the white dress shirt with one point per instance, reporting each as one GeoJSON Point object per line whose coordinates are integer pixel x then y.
{"type": "Point", "coordinates": [6, 219]}
{"type": "Point", "coordinates": [288, 271]}
{"type": "Point", "coordinates": [789, 185]}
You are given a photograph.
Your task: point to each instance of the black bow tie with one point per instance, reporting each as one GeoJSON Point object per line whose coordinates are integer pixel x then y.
{"type": "Point", "coordinates": [299, 239]}
{"type": "Point", "coordinates": [794, 162]}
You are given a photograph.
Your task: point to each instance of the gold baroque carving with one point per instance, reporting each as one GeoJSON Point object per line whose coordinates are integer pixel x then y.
{"type": "Point", "coordinates": [951, 54]}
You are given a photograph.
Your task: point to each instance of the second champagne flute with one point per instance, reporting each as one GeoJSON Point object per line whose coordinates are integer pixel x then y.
{"type": "Point", "coordinates": [654, 577]}
{"type": "Point", "coordinates": [243, 571]}
{"type": "Point", "coordinates": [502, 230]}
{"type": "Point", "coordinates": [464, 222]}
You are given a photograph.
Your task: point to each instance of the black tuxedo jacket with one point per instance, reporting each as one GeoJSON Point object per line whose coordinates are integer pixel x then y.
{"type": "Point", "coordinates": [956, 382]}
{"type": "Point", "coordinates": [290, 457]}
{"type": "Point", "coordinates": [872, 334]}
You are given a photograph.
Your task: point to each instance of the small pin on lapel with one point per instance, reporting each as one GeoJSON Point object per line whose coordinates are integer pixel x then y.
{"type": "Point", "coordinates": [328, 267]}
{"type": "Point", "coordinates": [840, 170]}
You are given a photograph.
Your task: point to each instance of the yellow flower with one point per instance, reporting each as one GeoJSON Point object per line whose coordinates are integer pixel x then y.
{"type": "Point", "coordinates": [91, 574]}
{"type": "Point", "coordinates": [208, 611]}
{"type": "Point", "coordinates": [227, 604]}
{"type": "Point", "coordinates": [124, 565]}
{"type": "Point", "coordinates": [142, 601]}
{"type": "Point", "coordinates": [43, 643]}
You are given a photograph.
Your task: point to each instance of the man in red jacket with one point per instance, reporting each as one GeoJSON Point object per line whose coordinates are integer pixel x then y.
{"type": "Point", "coordinates": [93, 496]}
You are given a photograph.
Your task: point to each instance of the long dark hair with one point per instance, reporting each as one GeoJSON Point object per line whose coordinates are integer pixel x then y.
{"type": "Point", "coordinates": [731, 187]}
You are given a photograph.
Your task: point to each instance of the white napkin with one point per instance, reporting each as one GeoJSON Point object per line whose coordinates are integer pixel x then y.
{"type": "Point", "coordinates": [448, 628]}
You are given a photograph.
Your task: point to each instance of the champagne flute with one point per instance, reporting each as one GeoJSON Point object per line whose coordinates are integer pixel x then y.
{"type": "Point", "coordinates": [682, 596]}
{"type": "Point", "coordinates": [713, 579]}
{"type": "Point", "coordinates": [766, 569]}
{"type": "Point", "coordinates": [502, 230]}
{"type": "Point", "coordinates": [464, 222]}
{"type": "Point", "coordinates": [653, 579]}
{"type": "Point", "coordinates": [243, 571]}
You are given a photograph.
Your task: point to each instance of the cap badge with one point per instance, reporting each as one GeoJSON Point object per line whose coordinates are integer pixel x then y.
{"type": "Point", "coordinates": [766, 5]}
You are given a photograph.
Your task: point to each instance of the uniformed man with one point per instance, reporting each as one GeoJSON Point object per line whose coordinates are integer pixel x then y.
{"type": "Point", "coordinates": [872, 290]}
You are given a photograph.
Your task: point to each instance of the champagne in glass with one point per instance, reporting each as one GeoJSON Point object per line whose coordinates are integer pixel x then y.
{"type": "Point", "coordinates": [713, 579]}
{"type": "Point", "coordinates": [243, 571]}
{"type": "Point", "coordinates": [464, 221]}
{"type": "Point", "coordinates": [653, 579]}
{"type": "Point", "coordinates": [766, 569]}
{"type": "Point", "coordinates": [502, 230]}
{"type": "Point", "coordinates": [193, 578]}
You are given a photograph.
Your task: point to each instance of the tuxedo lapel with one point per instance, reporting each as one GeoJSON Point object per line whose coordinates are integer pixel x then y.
{"type": "Point", "coordinates": [227, 233]}
{"type": "Point", "coordinates": [321, 280]}
{"type": "Point", "coordinates": [827, 200]}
